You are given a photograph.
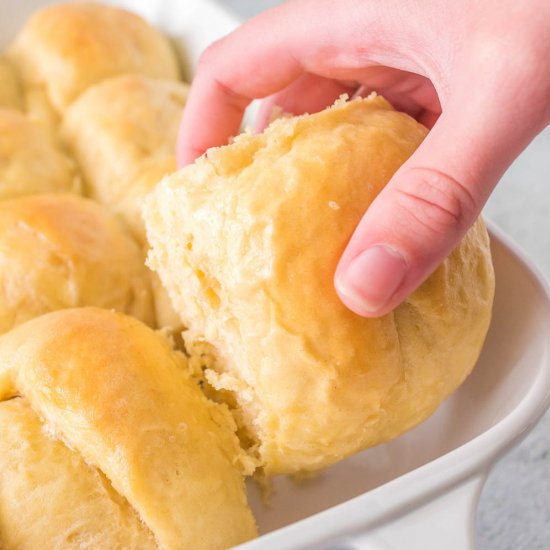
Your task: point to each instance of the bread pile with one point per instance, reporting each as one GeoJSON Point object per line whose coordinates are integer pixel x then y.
{"type": "Point", "coordinates": [109, 436]}
{"type": "Point", "coordinates": [106, 440]}
{"type": "Point", "coordinates": [130, 454]}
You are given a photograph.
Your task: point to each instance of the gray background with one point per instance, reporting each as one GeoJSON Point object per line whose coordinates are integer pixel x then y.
{"type": "Point", "coordinates": [514, 511]}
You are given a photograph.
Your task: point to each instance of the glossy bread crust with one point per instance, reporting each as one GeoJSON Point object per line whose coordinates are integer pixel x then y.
{"type": "Point", "coordinates": [63, 251]}
{"type": "Point", "coordinates": [123, 134]}
{"type": "Point", "coordinates": [31, 451]}
{"type": "Point", "coordinates": [67, 48]}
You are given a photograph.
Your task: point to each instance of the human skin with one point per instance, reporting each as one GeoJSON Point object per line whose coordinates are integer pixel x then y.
{"type": "Point", "coordinates": [476, 73]}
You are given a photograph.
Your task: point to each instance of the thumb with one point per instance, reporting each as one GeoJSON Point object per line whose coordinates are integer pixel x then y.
{"type": "Point", "coordinates": [427, 207]}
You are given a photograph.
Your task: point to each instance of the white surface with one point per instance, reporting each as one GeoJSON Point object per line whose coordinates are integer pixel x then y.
{"type": "Point", "coordinates": [509, 370]}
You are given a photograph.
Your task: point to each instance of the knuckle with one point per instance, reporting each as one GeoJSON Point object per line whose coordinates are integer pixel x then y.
{"type": "Point", "coordinates": [219, 75]}
{"type": "Point", "coordinates": [517, 76]}
{"type": "Point", "coordinates": [209, 57]}
{"type": "Point", "coordinates": [437, 201]}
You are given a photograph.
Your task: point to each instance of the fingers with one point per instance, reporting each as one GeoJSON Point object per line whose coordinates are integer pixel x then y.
{"type": "Point", "coordinates": [214, 109]}
{"type": "Point", "coordinates": [274, 49]}
{"type": "Point", "coordinates": [307, 94]}
{"type": "Point", "coordinates": [229, 75]}
{"type": "Point", "coordinates": [429, 204]}
{"type": "Point", "coordinates": [210, 106]}
{"type": "Point", "coordinates": [411, 227]}
{"type": "Point", "coordinates": [407, 92]}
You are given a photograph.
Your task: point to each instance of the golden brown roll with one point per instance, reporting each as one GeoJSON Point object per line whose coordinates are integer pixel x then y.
{"type": "Point", "coordinates": [123, 134]}
{"type": "Point", "coordinates": [130, 124]}
{"type": "Point", "coordinates": [131, 454]}
{"type": "Point", "coordinates": [11, 95]}
{"type": "Point", "coordinates": [30, 161]}
{"type": "Point", "coordinates": [67, 48]}
{"type": "Point", "coordinates": [247, 240]}
{"type": "Point", "coordinates": [51, 498]}
{"type": "Point", "coordinates": [61, 251]}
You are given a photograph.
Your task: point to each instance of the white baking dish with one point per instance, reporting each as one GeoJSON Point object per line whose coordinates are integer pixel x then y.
{"type": "Point", "coordinates": [420, 491]}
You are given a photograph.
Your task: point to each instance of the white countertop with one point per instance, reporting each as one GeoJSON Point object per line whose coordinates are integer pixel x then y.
{"type": "Point", "coordinates": [514, 510]}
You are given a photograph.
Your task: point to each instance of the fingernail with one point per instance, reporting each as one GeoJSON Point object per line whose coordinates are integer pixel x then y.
{"type": "Point", "coordinates": [372, 278]}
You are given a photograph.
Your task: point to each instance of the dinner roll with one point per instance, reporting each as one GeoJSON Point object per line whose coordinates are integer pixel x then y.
{"type": "Point", "coordinates": [66, 48]}
{"type": "Point", "coordinates": [37, 470]}
{"type": "Point", "coordinates": [131, 453]}
{"type": "Point", "coordinates": [123, 134]}
{"type": "Point", "coordinates": [30, 160]}
{"type": "Point", "coordinates": [247, 241]}
{"type": "Point", "coordinates": [61, 251]}
{"type": "Point", "coordinates": [130, 124]}
{"type": "Point", "coordinates": [10, 90]}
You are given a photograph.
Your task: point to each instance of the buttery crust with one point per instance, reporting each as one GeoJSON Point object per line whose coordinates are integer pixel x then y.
{"type": "Point", "coordinates": [61, 251]}
{"type": "Point", "coordinates": [122, 133]}
{"type": "Point", "coordinates": [247, 240]}
{"type": "Point", "coordinates": [67, 48]}
{"type": "Point", "coordinates": [30, 161]}
{"type": "Point", "coordinates": [133, 436]}
{"type": "Point", "coordinates": [84, 511]}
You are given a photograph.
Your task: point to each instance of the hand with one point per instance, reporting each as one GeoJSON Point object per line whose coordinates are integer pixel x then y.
{"type": "Point", "coordinates": [476, 73]}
